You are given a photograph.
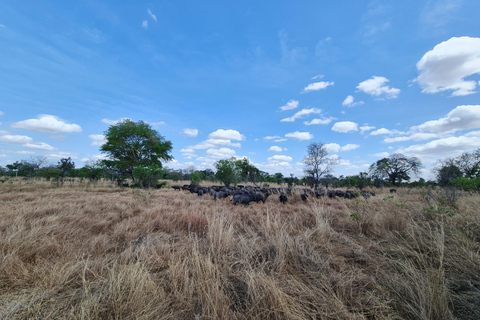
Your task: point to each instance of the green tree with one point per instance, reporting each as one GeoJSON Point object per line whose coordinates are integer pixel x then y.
{"type": "Point", "coordinates": [130, 145]}
{"type": "Point", "coordinates": [317, 162]}
{"type": "Point", "coordinates": [248, 172]}
{"type": "Point", "coordinates": [395, 168]}
{"type": "Point", "coordinates": [65, 165]}
{"type": "Point", "coordinates": [227, 171]}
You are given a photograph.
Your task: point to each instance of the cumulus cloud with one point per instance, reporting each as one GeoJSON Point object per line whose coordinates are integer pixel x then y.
{"type": "Point", "coordinates": [375, 86]}
{"type": "Point", "coordinates": [450, 146]}
{"type": "Point", "coordinates": [381, 155]}
{"type": "Point", "coordinates": [448, 64]}
{"type": "Point", "coordinates": [47, 123]}
{"type": "Point", "coordinates": [280, 158]}
{"type": "Point", "coordinates": [39, 146]}
{"type": "Point", "coordinates": [214, 143]}
{"type": "Point", "coordinates": [192, 133]}
{"type": "Point", "coordinates": [302, 113]}
{"type": "Point", "coordinates": [227, 134]}
{"type": "Point", "coordinates": [318, 86]}
{"type": "Point", "coordinates": [97, 139]}
{"type": "Point", "coordinates": [366, 128]}
{"type": "Point", "coordinates": [350, 102]}
{"type": "Point", "coordinates": [332, 147]}
{"type": "Point", "coordinates": [460, 118]}
{"type": "Point", "coordinates": [349, 147]}
{"type": "Point", "coordinates": [335, 147]}
{"type": "Point", "coordinates": [345, 126]}
{"type": "Point", "coordinates": [154, 17]}
{"type": "Point", "coordinates": [275, 138]}
{"type": "Point", "coordinates": [188, 153]}
{"type": "Point", "coordinates": [219, 153]}
{"type": "Point", "coordinates": [385, 131]}
{"type": "Point", "coordinates": [292, 104]}
{"type": "Point", "coordinates": [17, 139]}
{"type": "Point", "coordinates": [318, 121]}
{"type": "Point", "coordinates": [275, 149]}
{"type": "Point", "coordinates": [415, 137]}
{"type": "Point", "coordinates": [300, 135]}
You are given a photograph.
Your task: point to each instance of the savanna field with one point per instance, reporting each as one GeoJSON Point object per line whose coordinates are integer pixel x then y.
{"type": "Point", "coordinates": [98, 251]}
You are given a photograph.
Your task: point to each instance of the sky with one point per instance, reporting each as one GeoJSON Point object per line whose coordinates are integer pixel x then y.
{"type": "Point", "coordinates": [256, 79]}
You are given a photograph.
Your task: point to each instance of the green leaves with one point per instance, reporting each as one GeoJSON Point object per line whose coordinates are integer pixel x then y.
{"type": "Point", "coordinates": [134, 145]}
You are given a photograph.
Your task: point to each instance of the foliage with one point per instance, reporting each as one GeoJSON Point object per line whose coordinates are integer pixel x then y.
{"type": "Point", "coordinates": [317, 163]}
{"type": "Point", "coordinates": [65, 165]}
{"type": "Point", "coordinates": [227, 171]}
{"type": "Point", "coordinates": [147, 175]}
{"type": "Point", "coordinates": [395, 168]}
{"type": "Point", "coordinates": [130, 145]}
{"type": "Point", "coordinates": [466, 183]}
{"type": "Point", "coordinates": [460, 171]}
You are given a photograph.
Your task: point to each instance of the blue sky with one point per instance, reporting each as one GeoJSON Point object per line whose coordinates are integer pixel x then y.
{"type": "Point", "coordinates": [260, 79]}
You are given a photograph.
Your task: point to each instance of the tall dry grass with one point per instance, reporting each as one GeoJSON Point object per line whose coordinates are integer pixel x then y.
{"type": "Point", "coordinates": [97, 251]}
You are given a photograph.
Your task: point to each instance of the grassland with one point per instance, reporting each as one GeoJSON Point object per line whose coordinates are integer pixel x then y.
{"type": "Point", "coordinates": [85, 251]}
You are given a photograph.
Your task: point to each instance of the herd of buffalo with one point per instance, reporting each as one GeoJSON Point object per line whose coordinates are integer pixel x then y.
{"type": "Point", "coordinates": [247, 194]}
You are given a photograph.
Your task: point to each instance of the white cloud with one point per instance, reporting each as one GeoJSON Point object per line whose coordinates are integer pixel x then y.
{"type": "Point", "coordinates": [188, 153]}
{"type": "Point", "coordinates": [450, 147]}
{"type": "Point", "coordinates": [350, 102]}
{"type": "Point", "coordinates": [280, 158]}
{"type": "Point", "coordinates": [375, 86]}
{"type": "Point", "coordinates": [275, 149]}
{"type": "Point", "coordinates": [190, 132]}
{"type": "Point", "coordinates": [275, 138]}
{"type": "Point", "coordinates": [318, 121]}
{"type": "Point", "coordinates": [300, 135]}
{"type": "Point", "coordinates": [227, 134]}
{"type": "Point", "coordinates": [366, 128]}
{"type": "Point", "coordinates": [349, 147]}
{"type": "Point", "coordinates": [221, 153]}
{"type": "Point", "coordinates": [214, 143]}
{"type": "Point", "coordinates": [97, 139]}
{"type": "Point", "coordinates": [154, 17]}
{"type": "Point", "coordinates": [60, 155]}
{"type": "Point", "coordinates": [292, 104]}
{"type": "Point", "coordinates": [385, 131]}
{"type": "Point", "coordinates": [319, 76]}
{"type": "Point", "coordinates": [302, 113]}
{"type": "Point", "coordinates": [448, 64]}
{"type": "Point", "coordinates": [332, 147]}
{"type": "Point", "coordinates": [335, 147]}
{"type": "Point", "coordinates": [381, 155]}
{"type": "Point", "coordinates": [114, 122]}
{"type": "Point", "coordinates": [15, 139]}
{"type": "Point", "coordinates": [415, 137]}
{"type": "Point", "coordinates": [460, 118]}
{"type": "Point", "coordinates": [2, 113]}
{"type": "Point", "coordinates": [318, 86]}
{"type": "Point", "coordinates": [145, 24]}
{"type": "Point", "coordinates": [345, 126]}
{"type": "Point", "coordinates": [39, 146]}
{"type": "Point", "coordinates": [47, 123]}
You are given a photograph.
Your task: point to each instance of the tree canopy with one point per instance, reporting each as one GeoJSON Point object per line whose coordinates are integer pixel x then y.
{"type": "Point", "coordinates": [130, 145]}
{"type": "Point", "coordinates": [395, 168]}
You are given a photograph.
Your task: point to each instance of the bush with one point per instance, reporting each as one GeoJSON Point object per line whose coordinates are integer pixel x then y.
{"type": "Point", "coordinates": [466, 184]}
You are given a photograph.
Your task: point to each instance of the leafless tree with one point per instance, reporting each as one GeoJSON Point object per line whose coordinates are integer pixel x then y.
{"type": "Point", "coordinates": [317, 162]}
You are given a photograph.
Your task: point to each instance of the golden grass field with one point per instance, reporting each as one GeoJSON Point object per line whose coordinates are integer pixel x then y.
{"type": "Point", "coordinates": [83, 251]}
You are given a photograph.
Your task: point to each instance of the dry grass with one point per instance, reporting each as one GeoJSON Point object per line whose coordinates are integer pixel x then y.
{"type": "Point", "coordinates": [95, 251]}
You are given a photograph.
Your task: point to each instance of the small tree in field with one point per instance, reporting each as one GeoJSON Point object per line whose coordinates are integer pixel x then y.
{"type": "Point", "coordinates": [130, 145]}
{"type": "Point", "coordinates": [317, 162]}
{"type": "Point", "coordinates": [395, 168]}
{"type": "Point", "coordinates": [227, 171]}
